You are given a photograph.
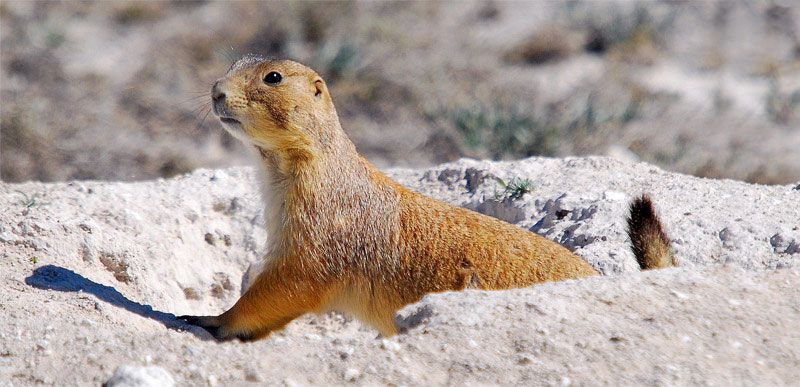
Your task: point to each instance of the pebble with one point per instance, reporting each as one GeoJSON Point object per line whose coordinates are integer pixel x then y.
{"type": "Point", "coordinates": [219, 175]}
{"type": "Point", "coordinates": [678, 294]}
{"type": "Point", "coordinates": [351, 374]}
{"type": "Point", "coordinates": [390, 345]}
{"type": "Point", "coordinates": [252, 375]}
{"type": "Point", "coordinates": [312, 336]}
{"type": "Point", "coordinates": [346, 352]}
{"type": "Point", "coordinates": [289, 382]}
{"type": "Point", "coordinates": [86, 322]}
{"type": "Point", "coordinates": [129, 376]}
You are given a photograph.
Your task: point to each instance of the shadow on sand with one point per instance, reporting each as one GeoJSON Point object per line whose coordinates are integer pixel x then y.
{"type": "Point", "coordinates": [65, 280]}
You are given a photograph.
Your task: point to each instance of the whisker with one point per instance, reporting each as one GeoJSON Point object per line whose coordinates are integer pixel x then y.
{"type": "Point", "coordinates": [230, 55]}
{"type": "Point", "coordinates": [196, 98]}
{"type": "Point", "coordinates": [202, 121]}
{"type": "Point", "coordinates": [236, 55]}
{"type": "Point", "coordinates": [199, 108]}
{"type": "Point", "coordinates": [204, 92]}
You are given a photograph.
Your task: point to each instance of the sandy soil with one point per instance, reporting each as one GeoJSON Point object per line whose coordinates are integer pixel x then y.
{"type": "Point", "coordinates": [94, 273]}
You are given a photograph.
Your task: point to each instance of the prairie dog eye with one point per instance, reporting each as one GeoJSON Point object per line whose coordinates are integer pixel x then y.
{"type": "Point", "coordinates": [273, 78]}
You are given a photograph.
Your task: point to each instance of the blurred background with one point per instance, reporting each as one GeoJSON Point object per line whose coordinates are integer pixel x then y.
{"type": "Point", "coordinates": [118, 90]}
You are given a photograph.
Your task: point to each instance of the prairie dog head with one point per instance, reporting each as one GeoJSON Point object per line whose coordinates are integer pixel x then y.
{"type": "Point", "coordinates": [280, 106]}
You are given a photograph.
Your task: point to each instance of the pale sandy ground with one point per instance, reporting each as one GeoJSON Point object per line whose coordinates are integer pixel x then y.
{"type": "Point", "coordinates": [92, 279]}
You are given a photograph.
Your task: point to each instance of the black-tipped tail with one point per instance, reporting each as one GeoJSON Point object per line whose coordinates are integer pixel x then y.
{"type": "Point", "coordinates": [649, 242]}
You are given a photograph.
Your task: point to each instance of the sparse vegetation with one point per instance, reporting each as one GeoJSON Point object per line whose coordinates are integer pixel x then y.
{"type": "Point", "coordinates": [136, 12]}
{"type": "Point", "coordinates": [337, 59]}
{"type": "Point", "coordinates": [632, 36]}
{"type": "Point", "coordinates": [578, 79]}
{"type": "Point", "coordinates": [781, 107]}
{"type": "Point", "coordinates": [30, 201]}
{"type": "Point", "coordinates": [500, 131]}
{"type": "Point", "coordinates": [515, 189]}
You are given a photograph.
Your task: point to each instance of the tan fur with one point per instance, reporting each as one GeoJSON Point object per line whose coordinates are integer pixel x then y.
{"type": "Point", "coordinates": [649, 242]}
{"type": "Point", "coordinates": [342, 235]}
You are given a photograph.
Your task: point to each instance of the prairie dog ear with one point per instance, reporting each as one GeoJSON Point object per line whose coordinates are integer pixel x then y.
{"type": "Point", "coordinates": [319, 88]}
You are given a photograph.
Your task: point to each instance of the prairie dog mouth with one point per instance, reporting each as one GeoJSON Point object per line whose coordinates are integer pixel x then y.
{"type": "Point", "coordinates": [233, 126]}
{"type": "Point", "coordinates": [229, 121]}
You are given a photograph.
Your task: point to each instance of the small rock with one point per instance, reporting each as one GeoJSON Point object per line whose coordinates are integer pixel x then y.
{"type": "Point", "coordinates": [251, 375]}
{"type": "Point", "coordinates": [192, 216]}
{"type": "Point", "coordinates": [86, 322]}
{"type": "Point", "coordinates": [42, 344]}
{"type": "Point", "coordinates": [390, 345]}
{"type": "Point", "coordinates": [793, 248]}
{"type": "Point", "coordinates": [312, 336]}
{"type": "Point", "coordinates": [128, 376]}
{"type": "Point", "coordinates": [617, 339]}
{"type": "Point", "coordinates": [209, 238]}
{"type": "Point", "coordinates": [289, 382]}
{"type": "Point", "coordinates": [345, 353]}
{"type": "Point", "coordinates": [784, 244]}
{"type": "Point", "coordinates": [222, 284]}
{"type": "Point", "coordinates": [678, 294]}
{"type": "Point", "coordinates": [475, 178]}
{"type": "Point", "coordinates": [351, 374]}
{"type": "Point", "coordinates": [219, 175]}
{"type": "Point", "coordinates": [191, 293]}
{"type": "Point", "coordinates": [449, 176]}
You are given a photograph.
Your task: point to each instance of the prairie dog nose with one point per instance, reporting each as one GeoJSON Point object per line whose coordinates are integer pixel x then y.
{"type": "Point", "coordinates": [217, 93]}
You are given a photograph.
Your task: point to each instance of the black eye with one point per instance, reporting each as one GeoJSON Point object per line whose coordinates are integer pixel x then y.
{"type": "Point", "coordinates": [273, 78]}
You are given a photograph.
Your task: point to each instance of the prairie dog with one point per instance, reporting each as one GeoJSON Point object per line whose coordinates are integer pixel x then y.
{"type": "Point", "coordinates": [344, 236]}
